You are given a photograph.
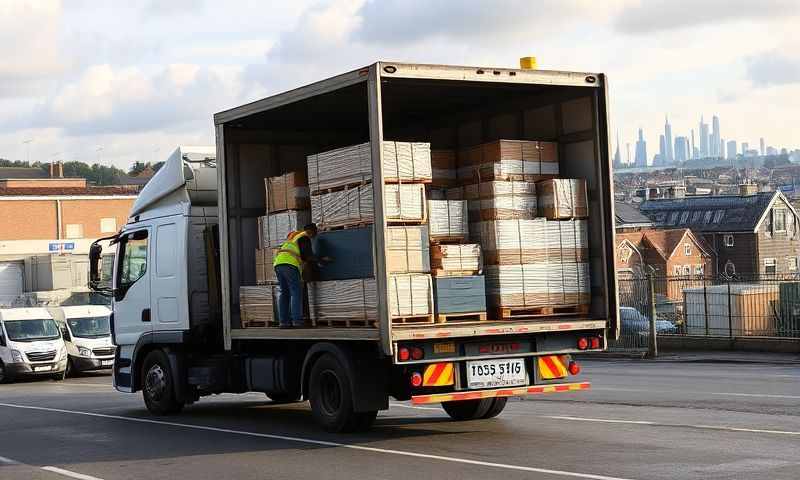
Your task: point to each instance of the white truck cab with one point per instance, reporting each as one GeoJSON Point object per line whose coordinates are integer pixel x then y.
{"type": "Point", "coordinates": [87, 334]}
{"type": "Point", "coordinates": [30, 344]}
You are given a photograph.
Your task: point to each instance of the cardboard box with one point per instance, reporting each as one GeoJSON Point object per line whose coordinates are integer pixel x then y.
{"type": "Point", "coordinates": [509, 160]}
{"type": "Point", "coordinates": [287, 192]}
{"type": "Point", "coordinates": [407, 249]}
{"type": "Point", "coordinates": [456, 259]}
{"type": "Point", "coordinates": [561, 198]}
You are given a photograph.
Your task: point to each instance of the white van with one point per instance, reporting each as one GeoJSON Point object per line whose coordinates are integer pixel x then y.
{"type": "Point", "coordinates": [87, 334]}
{"type": "Point", "coordinates": [30, 344]}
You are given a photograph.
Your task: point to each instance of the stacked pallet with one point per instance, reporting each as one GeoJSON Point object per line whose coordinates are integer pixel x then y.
{"type": "Point", "coordinates": [509, 160]}
{"type": "Point", "coordinates": [563, 198]}
{"type": "Point", "coordinates": [448, 220]}
{"type": "Point", "coordinates": [258, 305]}
{"type": "Point", "coordinates": [498, 199]}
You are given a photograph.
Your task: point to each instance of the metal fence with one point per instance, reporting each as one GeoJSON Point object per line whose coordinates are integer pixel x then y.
{"type": "Point", "coordinates": [765, 306]}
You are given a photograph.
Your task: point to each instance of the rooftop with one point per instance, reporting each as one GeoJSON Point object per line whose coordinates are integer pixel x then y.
{"type": "Point", "coordinates": [67, 191]}
{"type": "Point", "coordinates": [726, 213]}
{"type": "Point", "coordinates": [626, 214]}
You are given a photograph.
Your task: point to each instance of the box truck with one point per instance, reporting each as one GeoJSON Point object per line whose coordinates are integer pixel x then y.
{"type": "Point", "coordinates": [190, 242]}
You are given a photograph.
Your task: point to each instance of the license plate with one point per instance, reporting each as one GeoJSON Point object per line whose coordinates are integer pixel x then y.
{"type": "Point", "coordinates": [106, 363]}
{"type": "Point", "coordinates": [496, 373]}
{"type": "Point", "coordinates": [43, 368]}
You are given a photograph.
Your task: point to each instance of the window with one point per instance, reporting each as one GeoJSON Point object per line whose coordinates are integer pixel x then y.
{"type": "Point", "coordinates": [728, 240]}
{"type": "Point", "coordinates": [687, 249]}
{"type": "Point", "coordinates": [707, 216]}
{"type": "Point", "coordinates": [673, 218]}
{"type": "Point", "coordinates": [792, 263]}
{"type": "Point", "coordinates": [778, 220]}
{"type": "Point", "coordinates": [730, 268]}
{"type": "Point", "coordinates": [698, 269]}
{"type": "Point", "coordinates": [684, 217]}
{"type": "Point", "coordinates": [661, 217]}
{"type": "Point", "coordinates": [718, 216]}
{"type": "Point", "coordinates": [687, 270]}
{"type": "Point", "coordinates": [676, 270]}
{"type": "Point", "coordinates": [133, 263]}
{"type": "Point", "coordinates": [108, 225]}
{"type": "Point", "coordinates": [770, 266]}
{"type": "Point", "coordinates": [696, 216]}
{"type": "Point", "coordinates": [625, 253]}
{"type": "Point", "coordinates": [791, 225]}
{"type": "Point", "coordinates": [74, 230]}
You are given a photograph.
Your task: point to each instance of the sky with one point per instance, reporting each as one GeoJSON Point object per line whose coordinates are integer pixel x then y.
{"type": "Point", "coordinates": [119, 82]}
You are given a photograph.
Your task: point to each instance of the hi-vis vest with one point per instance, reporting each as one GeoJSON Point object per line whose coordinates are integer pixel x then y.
{"type": "Point", "coordinates": [289, 253]}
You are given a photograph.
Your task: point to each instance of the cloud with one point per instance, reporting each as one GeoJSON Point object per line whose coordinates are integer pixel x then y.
{"type": "Point", "coordinates": [773, 68]}
{"type": "Point", "coordinates": [658, 15]}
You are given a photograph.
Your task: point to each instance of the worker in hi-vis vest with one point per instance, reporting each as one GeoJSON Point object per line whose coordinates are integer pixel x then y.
{"type": "Point", "coordinates": [288, 264]}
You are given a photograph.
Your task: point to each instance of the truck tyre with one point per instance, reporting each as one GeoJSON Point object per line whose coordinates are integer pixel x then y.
{"type": "Point", "coordinates": [498, 405]}
{"type": "Point", "coordinates": [59, 376]}
{"type": "Point", "coordinates": [284, 397]}
{"type": "Point", "coordinates": [70, 371]}
{"type": "Point", "coordinates": [158, 388]}
{"type": "Point", "coordinates": [331, 398]}
{"type": "Point", "coordinates": [468, 409]}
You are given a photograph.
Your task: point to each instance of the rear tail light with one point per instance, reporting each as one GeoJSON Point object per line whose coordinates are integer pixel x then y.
{"type": "Point", "coordinates": [403, 354]}
{"type": "Point", "coordinates": [583, 343]}
{"type": "Point", "coordinates": [574, 368]}
{"type": "Point", "coordinates": [417, 353]}
{"type": "Point", "coordinates": [416, 379]}
{"type": "Point", "coordinates": [595, 343]}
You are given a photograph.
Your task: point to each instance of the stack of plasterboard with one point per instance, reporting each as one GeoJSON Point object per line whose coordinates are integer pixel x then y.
{"type": "Point", "coordinates": [448, 220]}
{"type": "Point", "coordinates": [275, 227]}
{"type": "Point", "coordinates": [349, 207]}
{"type": "Point", "coordinates": [498, 200]}
{"type": "Point", "coordinates": [456, 259]}
{"type": "Point", "coordinates": [561, 198]}
{"type": "Point", "coordinates": [509, 160]}
{"type": "Point", "coordinates": [257, 305]}
{"type": "Point", "coordinates": [404, 203]}
{"type": "Point", "coordinates": [287, 192]}
{"type": "Point", "coordinates": [407, 162]}
{"type": "Point", "coordinates": [343, 302]}
{"type": "Point", "coordinates": [407, 249]}
{"type": "Point", "coordinates": [265, 273]}
{"type": "Point", "coordinates": [411, 295]}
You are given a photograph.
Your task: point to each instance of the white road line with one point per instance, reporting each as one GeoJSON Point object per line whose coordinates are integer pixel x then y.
{"type": "Point", "coordinates": [395, 404]}
{"type": "Point", "coordinates": [731, 394]}
{"type": "Point", "coordinates": [324, 443]}
{"type": "Point", "coordinates": [68, 473]}
{"type": "Point", "coordinates": [8, 461]}
{"type": "Point", "coordinates": [657, 424]}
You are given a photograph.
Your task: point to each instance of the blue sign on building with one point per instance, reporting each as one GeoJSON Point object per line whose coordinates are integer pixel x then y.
{"type": "Point", "coordinates": [58, 246]}
{"type": "Point", "coordinates": [53, 247]}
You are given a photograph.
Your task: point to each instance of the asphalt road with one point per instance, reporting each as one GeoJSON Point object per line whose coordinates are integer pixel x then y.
{"type": "Point", "coordinates": [641, 420]}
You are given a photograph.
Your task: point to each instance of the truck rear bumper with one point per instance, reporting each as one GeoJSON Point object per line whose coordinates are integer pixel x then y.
{"type": "Point", "coordinates": [500, 392]}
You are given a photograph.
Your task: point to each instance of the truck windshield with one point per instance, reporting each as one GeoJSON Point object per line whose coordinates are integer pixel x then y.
{"type": "Point", "coordinates": [89, 327]}
{"type": "Point", "coordinates": [32, 330]}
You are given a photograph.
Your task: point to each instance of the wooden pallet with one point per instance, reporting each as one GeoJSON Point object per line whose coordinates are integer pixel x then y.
{"type": "Point", "coordinates": [330, 228]}
{"type": "Point", "coordinates": [439, 272]}
{"type": "Point", "coordinates": [342, 322]}
{"type": "Point", "coordinates": [339, 188]}
{"type": "Point", "coordinates": [397, 180]}
{"type": "Point", "coordinates": [461, 317]}
{"type": "Point", "coordinates": [447, 240]}
{"type": "Point", "coordinates": [413, 319]}
{"type": "Point", "coordinates": [505, 313]}
{"type": "Point", "coordinates": [257, 323]}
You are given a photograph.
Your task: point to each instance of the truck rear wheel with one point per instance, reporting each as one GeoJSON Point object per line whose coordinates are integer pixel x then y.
{"type": "Point", "coordinates": [469, 409]}
{"type": "Point", "coordinates": [158, 385]}
{"type": "Point", "coordinates": [498, 405]}
{"type": "Point", "coordinates": [331, 398]}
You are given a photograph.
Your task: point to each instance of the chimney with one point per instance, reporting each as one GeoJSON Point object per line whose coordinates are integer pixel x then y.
{"type": "Point", "coordinates": [60, 169]}
{"type": "Point", "coordinates": [51, 169]}
{"type": "Point", "coordinates": [746, 189]}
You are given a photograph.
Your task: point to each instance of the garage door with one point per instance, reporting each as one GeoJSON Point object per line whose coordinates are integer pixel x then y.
{"type": "Point", "coordinates": [10, 281]}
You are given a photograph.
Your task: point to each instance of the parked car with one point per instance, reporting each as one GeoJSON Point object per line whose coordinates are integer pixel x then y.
{"type": "Point", "coordinates": [30, 345]}
{"type": "Point", "coordinates": [633, 322]}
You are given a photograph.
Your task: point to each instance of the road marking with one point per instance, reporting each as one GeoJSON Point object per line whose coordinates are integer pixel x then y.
{"type": "Point", "coordinates": [325, 443]}
{"type": "Point", "coordinates": [8, 461]}
{"type": "Point", "coordinates": [732, 394]}
{"type": "Point", "coordinates": [68, 473]}
{"type": "Point", "coordinates": [682, 425]}
{"type": "Point", "coordinates": [395, 404]}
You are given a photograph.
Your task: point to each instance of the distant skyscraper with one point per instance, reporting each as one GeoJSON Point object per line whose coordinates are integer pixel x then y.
{"type": "Point", "coordinates": [641, 151]}
{"type": "Point", "coordinates": [617, 156]}
{"type": "Point", "coordinates": [681, 149]}
{"type": "Point", "coordinates": [731, 149]}
{"type": "Point", "coordinates": [772, 151]}
{"type": "Point", "coordinates": [704, 150]}
{"type": "Point", "coordinates": [628, 146]}
{"type": "Point", "coordinates": [745, 147]}
{"type": "Point", "coordinates": [715, 138]}
{"type": "Point", "coordinates": [762, 146]}
{"type": "Point", "coordinates": [662, 151]}
{"type": "Point", "coordinates": [693, 149]}
{"type": "Point", "coordinates": [721, 148]}
{"type": "Point", "coordinates": [669, 155]}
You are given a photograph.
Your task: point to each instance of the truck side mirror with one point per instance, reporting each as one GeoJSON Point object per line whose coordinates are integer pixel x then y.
{"type": "Point", "coordinates": [95, 251]}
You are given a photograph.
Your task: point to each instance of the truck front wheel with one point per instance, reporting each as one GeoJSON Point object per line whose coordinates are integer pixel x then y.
{"type": "Point", "coordinates": [158, 385]}
{"type": "Point", "coordinates": [474, 409]}
{"type": "Point", "coordinates": [331, 398]}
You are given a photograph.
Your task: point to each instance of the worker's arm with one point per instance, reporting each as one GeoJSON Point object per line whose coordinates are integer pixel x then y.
{"type": "Point", "coordinates": [307, 252]}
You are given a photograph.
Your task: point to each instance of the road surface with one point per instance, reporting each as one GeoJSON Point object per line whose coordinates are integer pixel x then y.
{"type": "Point", "coordinates": [641, 420]}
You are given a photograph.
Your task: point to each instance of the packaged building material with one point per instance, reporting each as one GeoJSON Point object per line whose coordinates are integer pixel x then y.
{"type": "Point", "coordinates": [499, 200]}
{"type": "Point", "coordinates": [258, 305]}
{"type": "Point", "coordinates": [506, 242]}
{"type": "Point", "coordinates": [444, 169]}
{"type": "Point", "coordinates": [509, 160]}
{"type": "Point", "coordinates": [405, 202]}
{"type": "Point", "coordinates": [563, 198]}
{"type": "Point", "coordinates": [402, 161]}
{"type": "Point", "coordinates": [410, 294]}
{"type": "Point", "coordinates": [351, 250]}
{"type": "Point", "coordinates": [275, 227]}
{"type": "Point", "coordinates": [340, 208]}
{"type": "Point", "coordinates": [460, 294]}
{"type": "Point", "coordinates": [407, 249]}
{"type": "Point", "coordinates": [407, 162]}
{"type": "Point", "coordinates": [448, 220]}
{"type": "Point", "coordinates": [456, 259]}
{"type": "Point", "coordinates": [265, 273]}
{"type": "Point", "coordinates": [347, 301]}
{"type": "Point", "coordinates": [567, 240]}
{"type": "Point", "coordinates": [537, 284]}
{"type": "Point", "coordinates": [287, 192]}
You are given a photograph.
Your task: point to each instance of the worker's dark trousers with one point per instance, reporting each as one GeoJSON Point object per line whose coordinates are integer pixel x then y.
{"type": "Point", "coordinates": [290, 296]}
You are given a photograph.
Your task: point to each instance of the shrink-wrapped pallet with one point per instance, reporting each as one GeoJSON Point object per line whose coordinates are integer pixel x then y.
{"type": "Point", "coordinates": [287, 192]}
{"type": "Point", "coordinates": [404, 202]}
{"type": "Point", "coordinates": [410, 295]}
{"type": "Point", "coordinates": [407, 249]}
{"type": "Point", "coordinates": [257, 305]}
{"type": "Point", "coordinates": [537, 284]}
{"type": "Point", "coordinates": [265, 273]}
{"type": "Point", "coordinates": [567, 241]}
{"type": "Point", "coordinates": [406, 161]}
{"type": "Point", "coordinates": [402, 161]}
{"type": "Point", "coordinates": [347, 207]}
{"type": "Point", "coordinates": [500, 200]}
{"type": "Point", "coordinates": [506, 242]}
{"type": "Point", "coordinates": [563, 198]}
{"type": "Point", "coordinates": [460, 294]}
{"type": "Point", "coordinates": [456, 259]}
{"type": "Point", "coordinates": [444, 169]}
{"type": "Point", "coordinates": [275, 228]}
{"type": "Point", "coordinates": [354, 300]}
{"type": "Point", "coordinates": [448, 220]}
{"type": "Point", "coordinates": [509, 159]}
{"type": "Point", "coordinates": [568, 283]}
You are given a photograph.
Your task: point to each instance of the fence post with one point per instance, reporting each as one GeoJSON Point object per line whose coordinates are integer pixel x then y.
{"type": "Point", "coordinates": [730, 312]}
{"type": "Point", "coordinates": [653, 347]}
{"type": "Point", "coordinates": [705, 304]}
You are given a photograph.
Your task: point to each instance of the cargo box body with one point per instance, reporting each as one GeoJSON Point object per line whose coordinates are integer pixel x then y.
{"type": "Point", "coordinates": [453, 109]}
